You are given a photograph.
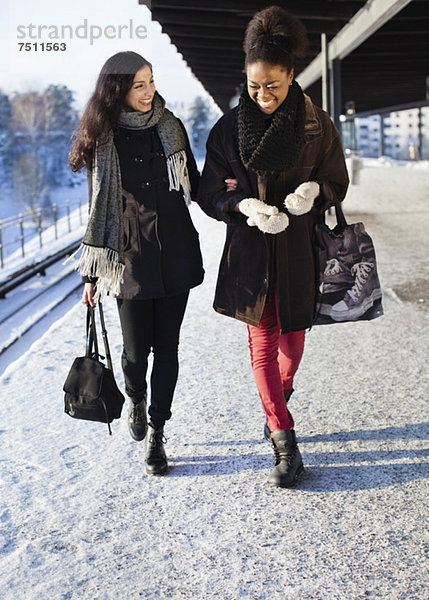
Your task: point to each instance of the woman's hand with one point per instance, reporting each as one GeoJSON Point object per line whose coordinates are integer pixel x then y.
{"type": "Point", "coordinates": [88, 294]}
{"type": "Point", "coordinates": [231, 184]}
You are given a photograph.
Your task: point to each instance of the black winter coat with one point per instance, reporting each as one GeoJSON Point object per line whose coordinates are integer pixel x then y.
{"type": "Point", "coordinates": [243, 280]}
{"type": "Point", "coordinates": [161, 245]}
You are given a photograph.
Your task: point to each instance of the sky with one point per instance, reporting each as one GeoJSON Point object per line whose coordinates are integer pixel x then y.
{"type": "Point", "coordinates": [91, 32]}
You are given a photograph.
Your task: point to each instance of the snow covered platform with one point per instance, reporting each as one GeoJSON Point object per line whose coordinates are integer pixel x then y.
{"type": "Point", "coordinates": [80, 520]}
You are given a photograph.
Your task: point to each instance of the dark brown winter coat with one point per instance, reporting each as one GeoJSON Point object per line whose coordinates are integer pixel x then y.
{"type": "Point", "coordinates": [242, 285]}
{"type": "Point", "coordinates": [161, 245]}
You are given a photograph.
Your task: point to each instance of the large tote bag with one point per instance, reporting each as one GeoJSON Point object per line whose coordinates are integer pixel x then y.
{"type": "Point", "coordinates": [348, 287]}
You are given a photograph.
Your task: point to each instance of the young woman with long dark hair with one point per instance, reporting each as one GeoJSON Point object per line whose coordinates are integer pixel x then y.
{"type": "Point", "coordinates": [285, 156]}
{"type": "Point", "coordinates": [140, 243]}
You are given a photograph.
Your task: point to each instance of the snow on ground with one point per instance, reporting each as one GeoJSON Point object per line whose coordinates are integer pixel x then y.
{"type": "Point", "coordinates": [80, 520]}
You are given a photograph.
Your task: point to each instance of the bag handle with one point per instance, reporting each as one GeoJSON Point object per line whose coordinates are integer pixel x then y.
{"type": "Point", "coordinates": [341, 219]}
{"type": "Point", "coordinates": [91, 335]}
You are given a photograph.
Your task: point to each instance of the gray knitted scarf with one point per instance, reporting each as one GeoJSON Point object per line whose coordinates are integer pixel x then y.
{"type": "Point", "coordinates": [103, 246]}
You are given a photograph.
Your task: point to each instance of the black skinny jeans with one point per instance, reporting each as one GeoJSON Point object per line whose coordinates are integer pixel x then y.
{"type": "Point", "coordinates": [152, 324]}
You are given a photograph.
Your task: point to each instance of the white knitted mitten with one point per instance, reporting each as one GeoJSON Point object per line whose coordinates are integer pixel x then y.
{"type": "Point", "coordinates": [252, 207]}
{"type": "Point", "coordinates": [302, 200]}
{"type": "Point", "coordinates": [270, 224]}
{"type": "Point", "coordinates": [266, 218]}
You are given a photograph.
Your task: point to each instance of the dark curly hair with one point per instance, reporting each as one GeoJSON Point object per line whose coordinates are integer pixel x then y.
{"type": "Point", "coordinates": [114, 81]}
{"type": "Point", "coordinates": [274, 36]}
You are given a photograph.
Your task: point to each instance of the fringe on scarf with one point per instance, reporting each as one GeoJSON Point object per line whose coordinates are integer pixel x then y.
{"type": "Point", "coordinates": [102, 263]}
{"type": "Point", "coordinates": [178, 174]}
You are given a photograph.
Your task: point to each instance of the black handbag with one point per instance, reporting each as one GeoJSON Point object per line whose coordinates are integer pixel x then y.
{"type": "Point", "coordinates": [90, 389]}
{"type": "Point", "coordinates": [348, 285]}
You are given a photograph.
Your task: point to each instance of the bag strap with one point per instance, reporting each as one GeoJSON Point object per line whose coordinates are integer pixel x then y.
{"type": "Point", "coordinates": [91, 334]}
{"type": "Point", "coordinates": [341, 219]}
{"type": "Point", "coordinates": [107, 350]}
{"type": "Point", "coordinates": [105, 340]}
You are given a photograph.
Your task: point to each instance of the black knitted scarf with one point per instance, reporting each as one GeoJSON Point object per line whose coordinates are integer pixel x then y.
{"type": "Point", "coordinates": [267, 151]}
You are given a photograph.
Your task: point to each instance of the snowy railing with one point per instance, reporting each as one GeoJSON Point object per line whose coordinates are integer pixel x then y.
{"type": "Point", "coordinates": [18, 231]}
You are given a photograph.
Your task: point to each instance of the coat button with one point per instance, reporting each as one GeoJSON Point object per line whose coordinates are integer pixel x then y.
{"type": "Point", "coordinates": [138, 159]}
{"type": "Point", "coordinates": [145, 184]}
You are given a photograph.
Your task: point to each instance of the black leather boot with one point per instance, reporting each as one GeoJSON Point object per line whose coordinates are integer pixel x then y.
{"type": "Point", "coordinates": [137, 420]}
{"type": "Point", "coordinates": [288, 461]}
{"type": "Point", "coordinates": [156, 459]}
{"type": "Point", "coordinates": [267, 432]}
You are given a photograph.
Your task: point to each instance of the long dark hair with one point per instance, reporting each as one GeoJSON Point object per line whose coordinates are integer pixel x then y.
{"type": "Point", "coordinates": [113, 83]}
{"type": "Point", "coordinates": [274, 36]}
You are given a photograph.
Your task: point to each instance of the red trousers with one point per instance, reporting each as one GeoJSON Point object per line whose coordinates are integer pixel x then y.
{"type": "Point", "coordinates": [275, 359]}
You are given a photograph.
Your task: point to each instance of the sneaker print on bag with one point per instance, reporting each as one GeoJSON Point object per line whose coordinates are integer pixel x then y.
{"type": "Point", "coordinates": [336, 279]}
{"type": "Point", "coordinates": [361, 296]}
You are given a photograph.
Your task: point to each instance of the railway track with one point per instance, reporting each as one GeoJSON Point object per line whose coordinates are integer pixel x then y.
{"type": "Point", "coordinates": [31, 300]}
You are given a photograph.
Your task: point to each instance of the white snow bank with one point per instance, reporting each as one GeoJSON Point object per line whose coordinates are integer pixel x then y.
{"type": "Point", "coordinates": [386, 161]}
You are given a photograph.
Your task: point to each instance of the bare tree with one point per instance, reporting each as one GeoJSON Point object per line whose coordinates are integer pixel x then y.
{"type": "Point", "coordinates": [42, 127]}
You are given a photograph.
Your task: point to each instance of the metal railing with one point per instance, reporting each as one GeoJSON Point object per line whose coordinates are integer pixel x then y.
{"type": "Point", "coordinates": [18, 231]}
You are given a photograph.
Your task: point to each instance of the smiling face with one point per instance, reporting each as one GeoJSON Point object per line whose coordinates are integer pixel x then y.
{"type": "Point", "coordinates": [268, 85]}
{"type": "Point", "coordinates": [140, 95]}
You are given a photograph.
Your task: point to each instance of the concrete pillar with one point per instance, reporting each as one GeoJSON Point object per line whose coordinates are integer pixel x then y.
{"type": "Point", "coordinates": [382, 149]}
{"type": "Point", "coordinates": [335, 91]}
{"type": "Point", "coordinates": [420, 135]}
{"type": "Point", "coordinates": [325, 72]}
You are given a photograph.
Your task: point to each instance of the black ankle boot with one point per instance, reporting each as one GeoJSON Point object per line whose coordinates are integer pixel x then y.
{"type": "Point", "coordinates": [137, 420]}
{"type": "Point", "coordinates": [156, 459]}
{"type": "Point", "coordinates": [267, 432]}
{"type": "Point", "coordinates": [288, 462]}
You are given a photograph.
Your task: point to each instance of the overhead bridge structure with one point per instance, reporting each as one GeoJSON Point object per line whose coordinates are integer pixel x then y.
{"type": "Point", "coordinates": [372, 54]}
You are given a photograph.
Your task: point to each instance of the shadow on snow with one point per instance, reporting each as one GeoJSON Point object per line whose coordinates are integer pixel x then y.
{"type": "Point", "coordinates": [329, 471]}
